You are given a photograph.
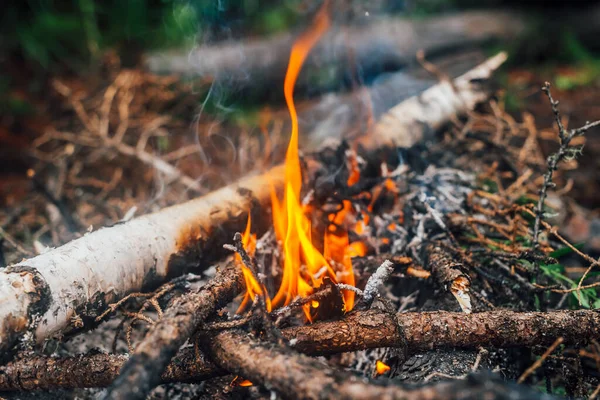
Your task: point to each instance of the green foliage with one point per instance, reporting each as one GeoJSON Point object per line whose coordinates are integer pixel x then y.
{"type": "Point", "coordinates": [587, 297]}
{"type": "Point", "coordinates": [51, 33]}
{"type": "Point", "coordinates": [563, 251]}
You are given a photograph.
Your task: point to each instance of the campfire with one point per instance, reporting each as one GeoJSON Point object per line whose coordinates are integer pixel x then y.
{"type": "Point", "coordinates": [304, 266]}
{"type": "Point", "coordinates": [412, 257]}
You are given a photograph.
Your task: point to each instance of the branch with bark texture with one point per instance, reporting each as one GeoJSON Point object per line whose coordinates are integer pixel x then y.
{"type": "Point", "coordinates": [143, 370]}
{"type": "Point", "coordinates": [96, 370]}
{"type": "Point", "coordinates": [449, 274]}
{"type": "Point", "coordinates": [296, 376]}
{"type": "Point", "coordinates": [78, 280]}
{"type": "Point", "coordinates": [357, 331]}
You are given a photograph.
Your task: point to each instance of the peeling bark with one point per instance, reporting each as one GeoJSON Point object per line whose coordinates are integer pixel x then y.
{"type": "Point", "coordinates": [142, 372]}
{"type": "Point", "coordinates": [401, 127]}
{"type": "Point", "coordinates": [449, 274]}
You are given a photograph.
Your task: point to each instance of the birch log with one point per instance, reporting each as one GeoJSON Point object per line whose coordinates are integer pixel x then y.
{"type": "Point", "coordinates": [64, 289]}
{"type": "Point", "coordinates": [44, 294]}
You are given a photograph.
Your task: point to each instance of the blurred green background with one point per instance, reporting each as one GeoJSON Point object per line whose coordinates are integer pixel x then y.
{"type": "Point", "coordinates": [41, 38]}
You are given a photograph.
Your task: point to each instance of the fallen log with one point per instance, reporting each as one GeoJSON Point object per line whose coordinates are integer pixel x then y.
{"type": "Point", "coordinates": [44, 294]}
{"type": "Point", "coordinates": [415, 332]}
{"type": "Point", "coordinates": [369, 49]}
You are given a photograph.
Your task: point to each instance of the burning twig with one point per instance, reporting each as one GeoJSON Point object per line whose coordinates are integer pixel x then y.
{"type": "Point", "coordinates": [143, 370]}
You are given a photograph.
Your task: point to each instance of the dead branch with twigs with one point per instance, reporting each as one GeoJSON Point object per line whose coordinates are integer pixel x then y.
{"type": "Point", "coordinates": [565, 152]}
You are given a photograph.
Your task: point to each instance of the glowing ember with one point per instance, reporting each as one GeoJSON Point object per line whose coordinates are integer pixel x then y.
{"type": "Point", "coordinates": [239, 381]}
{"type": "Point", "coordinates": [381, 367]}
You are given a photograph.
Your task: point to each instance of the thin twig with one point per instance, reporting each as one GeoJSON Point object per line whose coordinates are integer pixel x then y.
{"type": "Point", "coordinates": [375, 282]}
{"type": "Point", "coordinates": [564, 152]}
{"type": "Point", "coordinates": [540, 360]}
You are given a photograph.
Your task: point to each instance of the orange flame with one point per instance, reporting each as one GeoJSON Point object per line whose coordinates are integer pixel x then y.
{"type": "Point", "coordinates": [304, 265]}
{"type": "Point", "coordinates": [253, 287]}
{"type": "Point", "coordinates": [292, 227]}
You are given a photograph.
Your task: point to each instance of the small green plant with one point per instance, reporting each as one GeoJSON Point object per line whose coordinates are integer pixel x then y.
{"type": "Point", "coordinates": [587, 297]}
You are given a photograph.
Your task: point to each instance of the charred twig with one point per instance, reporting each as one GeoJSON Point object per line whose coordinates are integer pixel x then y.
{"type": "Point", "coordinates": [539, 361]}
{"type": "Point", "coordinates": [143, 370]}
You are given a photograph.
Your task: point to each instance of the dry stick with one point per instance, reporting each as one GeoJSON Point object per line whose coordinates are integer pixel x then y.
{"type": "Point", "coordinates": [357, 331]}
{"type": "Point", "coordinates": [142, 371]}
{"type": "Point", "coordinates": [296, 376]}
{"type": "Point", "coordinates": [538, 363]}
{"type": "Point", "coordinates": [96, 370]}
{"type": "Point", "coordinates": [80, 278]}
{"type": "Point", "coordinates": [564, 152]}
{"type": "Point", "coordinates": [430, 330]}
